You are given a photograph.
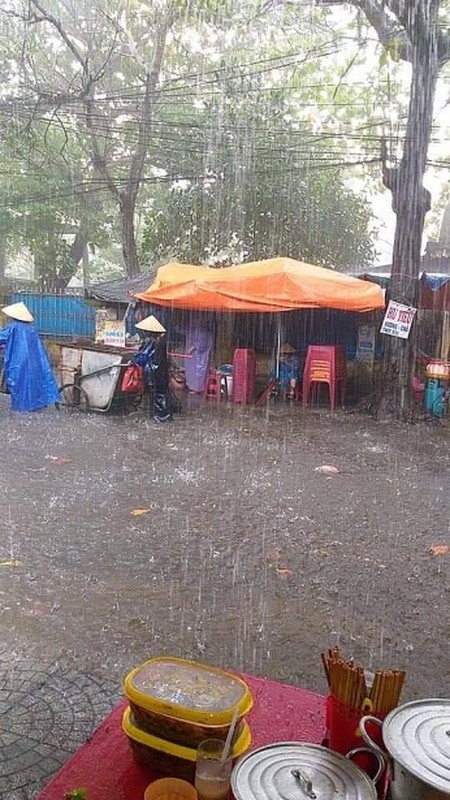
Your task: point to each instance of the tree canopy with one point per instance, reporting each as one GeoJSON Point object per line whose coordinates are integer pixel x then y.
{"type": "Point", "coordinates": [254, 189]}
{"type": "Point", "coordinates": [241, 105]}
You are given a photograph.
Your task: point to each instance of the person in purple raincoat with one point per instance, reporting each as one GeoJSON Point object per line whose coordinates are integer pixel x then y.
{"type": "Point", "coordinates": [198, 347]}
{"type": "Point", "coordinates": [28, 374]}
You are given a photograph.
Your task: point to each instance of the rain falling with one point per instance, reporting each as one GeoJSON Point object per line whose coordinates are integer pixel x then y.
{"type": "Point", "coordinates": [239, 506]}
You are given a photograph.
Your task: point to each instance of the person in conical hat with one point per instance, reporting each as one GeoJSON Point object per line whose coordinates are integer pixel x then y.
{"type": "Point", "coordinates": [27, 373]}
{"type": "Point", "coordinates": [18, 311]}
{"type": "Point", "coordinates": [152, 357]}
{"type": "Point", "coordinates": [150, 324]}
{"type": "Point", "coordinates": [287, 349]}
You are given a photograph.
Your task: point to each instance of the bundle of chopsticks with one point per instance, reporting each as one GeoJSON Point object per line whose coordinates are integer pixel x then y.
{"type": "Point", "coordinates": [349, 684]}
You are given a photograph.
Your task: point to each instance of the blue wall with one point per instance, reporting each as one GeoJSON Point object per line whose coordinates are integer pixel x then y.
{"type": "Point", "coordinates": [59, 315]}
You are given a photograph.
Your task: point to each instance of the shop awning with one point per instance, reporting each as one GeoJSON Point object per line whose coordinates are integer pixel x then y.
{"type": "Point", "coordinates": [434, 288]}
{"type": "Point", "coordinates": [121, 290]}
{"type": "Point", "coordinates": [435, 292]}
{"type": "Point", "coordinates": [277, 284]}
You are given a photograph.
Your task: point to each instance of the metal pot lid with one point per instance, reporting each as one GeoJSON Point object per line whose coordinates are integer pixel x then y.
{"type": "Point", "coordinates": [297, 771]}
{"type": "Point", "coordinates": [417, 735]}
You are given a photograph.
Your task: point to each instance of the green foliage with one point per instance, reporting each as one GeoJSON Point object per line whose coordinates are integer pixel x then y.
{"type": "Point", "coordinates": [43, 199]}
{"type": "Point", "coordinates": [263, 190]}
{"type": "Point", "coordinates": [255, 109]}
{"type": "Point", "coordinates": [390, 51]}
{"type": "Point", "coordinates": [434, 219]}
{"type": "Point", "coordinates": [258, 170]}
{"type": "Point", "coordinates": [76, 794]}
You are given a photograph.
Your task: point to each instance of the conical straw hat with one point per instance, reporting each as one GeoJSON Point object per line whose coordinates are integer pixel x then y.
{"type": "Point", "coordinates": [18, 311]}
{"type": "Point", "coordinates": [151, 324]}
{"type": "Point", "coordinates": [287, 349]}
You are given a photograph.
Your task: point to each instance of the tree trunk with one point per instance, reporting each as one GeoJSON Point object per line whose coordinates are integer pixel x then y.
{"type": "Point", "coordinates": [85, 265]}
{"type": "Point", "coordinates": [410, 202]}
{"type": "Point", "coordinates": [79, 244]}
{"type": "Point", "coordinates": [2, 256]}
{"type": "Point", "coordinates": [127, 207]}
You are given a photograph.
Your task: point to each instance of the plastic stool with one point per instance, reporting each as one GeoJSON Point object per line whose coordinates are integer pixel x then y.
{"type": "Point", "coordinates": [213, 388]}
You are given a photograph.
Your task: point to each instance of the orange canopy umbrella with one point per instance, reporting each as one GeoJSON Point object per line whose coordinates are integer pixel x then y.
{"type": "Point", "coordinates": [277, 284]}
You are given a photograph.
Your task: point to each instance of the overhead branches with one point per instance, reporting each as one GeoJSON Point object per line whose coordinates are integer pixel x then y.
{"type": "Point", "coordinates": [400, 24]}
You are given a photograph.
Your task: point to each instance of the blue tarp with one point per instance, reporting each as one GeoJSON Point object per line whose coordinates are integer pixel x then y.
{"type": "Point", "coordinates": [59, 315]}
{"type": "Point", "coordinates": [28, 374]}
{"type": "Point", "coordinates": [434, 288]}
{"type": "Point", "coordinates": [435, 282]}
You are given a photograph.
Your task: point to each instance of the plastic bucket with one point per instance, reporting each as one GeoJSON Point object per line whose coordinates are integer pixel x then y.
{"type": "Point", "coordinates": [343, 732]}
{"type": "Point", "coordinates": [434, 397]}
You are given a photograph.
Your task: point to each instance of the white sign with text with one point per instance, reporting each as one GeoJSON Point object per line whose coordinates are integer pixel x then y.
{"type": "Point", "coordinates": [114, 334]}
{"type": "Point", "coordinates": [398, 320]}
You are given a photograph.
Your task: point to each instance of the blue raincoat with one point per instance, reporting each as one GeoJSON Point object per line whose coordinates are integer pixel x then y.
{"type": "Point", "coordinates": [288, 370]}
{"type": "Point", "coordinates": [152, 357]}
{"type": "Point", "coordinates": [28, 374]}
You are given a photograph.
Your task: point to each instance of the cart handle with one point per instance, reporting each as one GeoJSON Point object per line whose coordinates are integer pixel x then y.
{"type": "Point", "coordinates": [102, 370]}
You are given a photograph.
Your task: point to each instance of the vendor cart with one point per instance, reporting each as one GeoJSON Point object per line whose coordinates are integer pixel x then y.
{"type": "Point", "coordinates": [90, 377]}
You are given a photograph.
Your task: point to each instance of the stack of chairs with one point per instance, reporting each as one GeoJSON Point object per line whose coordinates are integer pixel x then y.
{"type": "Point", "coordinates": [325, 364]}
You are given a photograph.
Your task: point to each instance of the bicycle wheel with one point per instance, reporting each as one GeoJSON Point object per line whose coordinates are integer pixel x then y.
{"type": "Point", "coordinates": [73, 397]}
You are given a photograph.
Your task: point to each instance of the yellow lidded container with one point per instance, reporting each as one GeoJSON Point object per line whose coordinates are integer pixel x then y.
{"type": "Point", "coordinates": [168, 758]}
{"type": "Point", "coordinates": [186, 702]}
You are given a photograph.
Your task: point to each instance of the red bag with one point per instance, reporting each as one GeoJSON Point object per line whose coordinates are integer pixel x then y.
{"type": "Point", "coordinates": [132, 380]}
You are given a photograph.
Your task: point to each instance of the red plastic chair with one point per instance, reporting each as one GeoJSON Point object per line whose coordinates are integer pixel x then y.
{"type": "Point", "coordinates": [244, 376]}
{"type": "Point", "coordinates": [213, 389]}
{"type": "Point", "coordinates": [325, 365]}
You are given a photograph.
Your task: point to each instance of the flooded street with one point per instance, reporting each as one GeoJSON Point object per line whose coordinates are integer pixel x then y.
{"type": "Point", "coordinates": [214, 538]}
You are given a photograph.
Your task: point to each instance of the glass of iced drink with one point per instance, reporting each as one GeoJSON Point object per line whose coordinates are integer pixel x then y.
{"type": "Point", "coordinates": [212, 775]}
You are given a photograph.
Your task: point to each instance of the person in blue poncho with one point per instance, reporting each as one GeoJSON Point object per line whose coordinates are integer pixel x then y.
{"type": "Point", "coordinates": [152, 357]}
{"type": "Point", "coordinates": [27, 371]}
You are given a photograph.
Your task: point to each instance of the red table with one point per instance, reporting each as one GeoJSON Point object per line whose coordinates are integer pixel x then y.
{"type": "Point", "coordinates": [105, 766]}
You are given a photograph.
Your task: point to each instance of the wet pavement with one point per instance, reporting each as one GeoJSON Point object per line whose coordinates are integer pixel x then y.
{"type": "Point", "coordinates": [214, 538]}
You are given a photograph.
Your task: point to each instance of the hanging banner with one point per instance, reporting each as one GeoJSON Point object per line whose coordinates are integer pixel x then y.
{"type": "Point", "coordinates": [101, 315]}
{"type": "Point", "coordinates": [365, 349]}
{"type": "Point", "coordinates": [398, 320]}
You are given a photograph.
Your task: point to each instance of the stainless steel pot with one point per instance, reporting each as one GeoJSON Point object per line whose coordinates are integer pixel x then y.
{"type": "Point", "coordinates": [417, 740]}
{"type": "Point", "coordinates": [298, 771]}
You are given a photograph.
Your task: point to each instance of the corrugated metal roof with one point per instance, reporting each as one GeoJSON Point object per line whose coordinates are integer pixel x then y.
{"type": "Point", "coordinates": [121, 289]}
